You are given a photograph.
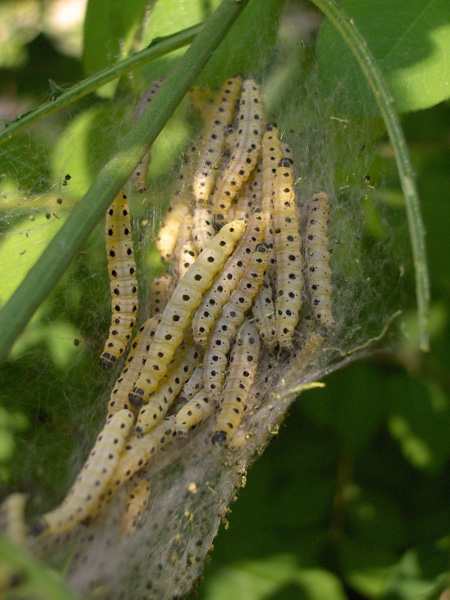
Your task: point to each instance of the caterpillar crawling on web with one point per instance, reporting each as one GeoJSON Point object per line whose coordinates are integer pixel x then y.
{"type": "Point", "coordinates": [122, 274]}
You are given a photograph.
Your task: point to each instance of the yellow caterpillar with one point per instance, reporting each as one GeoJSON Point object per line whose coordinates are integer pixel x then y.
{"type": "Point", "coordinates": [160, 291]}
{"type": "Point", "coordinates": [250, 123]}
{"type": "Point", "coordinates": [12, 519]}
{"type": "Point", "coordinates": [87, 493]}
{"type": "Point", "coordinates": [135, 505]}
{"type": "Point", "coordinates": [221, 115]}
{"type": "Point", "coordinates": [196, 410]}
{"type": "Point", "coordinates": [183, 302]}
{"type": "Point", "coordinates": [122, 274]}
{"type": "Point", "coordinates": [318, 257]}
{"type": "Point", "coordinates": [227, 280]}
{"type": "Point", "coordinates": [232, 317]}
{"type": "Point", "coordinates": [287, 248]}
{"type": "Point", "coordinates": [178, 372]}
{"type": "Point", "coordinates": [139, 176]}
{"type": "Point", "coordinates": [243, 365]}
{"type": "Point", "coordinates": [133, 366]}
{"type": "Point", "coordinates": [138, 452]}
{"type": "Point", "coordinates": [178, 209]}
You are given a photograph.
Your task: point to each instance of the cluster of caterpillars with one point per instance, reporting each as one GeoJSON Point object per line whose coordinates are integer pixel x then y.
{"type": "Point", "coordinates": [248, 278]}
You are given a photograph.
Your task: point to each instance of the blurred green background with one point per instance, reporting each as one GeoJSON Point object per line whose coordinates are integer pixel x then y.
{"type": "Point", "coordinates": [351, 500]}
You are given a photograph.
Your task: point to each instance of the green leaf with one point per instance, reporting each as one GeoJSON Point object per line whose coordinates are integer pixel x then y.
{"type": "Point", "coordinates": [365, 565]}
{"type": "Point", "coordinates": [236, 54]}
{"type": "Point", "coordinates": [410, 39]}
{"type": "Point", "coordinates": [272, 578]}
{"type": "Point", "coordinates": [24, 244]}
{"type": "Point", "coordinates": [420, 421]}
{"type": "Point", "coordinates": [109, 29]}
{"type": "Point", "coordinates": [358, 414]}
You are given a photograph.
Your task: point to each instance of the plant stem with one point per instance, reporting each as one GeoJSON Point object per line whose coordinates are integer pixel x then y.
{"type": "Point", "coordinates": [44, 275]}
{"type": "Point", "coordinates": [369, 67]}
{"type": "Point", "coordinates": [157, 48]}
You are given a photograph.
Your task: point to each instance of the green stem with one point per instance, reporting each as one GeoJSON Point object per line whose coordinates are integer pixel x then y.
{"type": "Point", "coordinates": [34, 579]}
{"type": "Point", "coordinates": [159, 47]}
{"type": "Point", "coordinates": [369, 67]}
{"type": "Point", "coordinates": [44, 275]}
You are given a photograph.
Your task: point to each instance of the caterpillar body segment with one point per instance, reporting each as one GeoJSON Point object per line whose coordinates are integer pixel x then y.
{"type": "Point", "coordinates": [271, 156]}
{"type": "Point", "coordinates": [230, 139]}
{"type": "Point", "coordinates": [263, 308]}
{"type": "Point", "coordinates": [178, 209]}
{"type": "Point", "coordinates": [221, 115]}
{"type": "Point", "coordinates": [135, 505]}
{"type": "Point", "coordinates": [192, 413]}
{"type": "Point", "coordinates": [87, 493]}
{"type": "Point", "coordinates": [249, 197]}
{"type": "Point", "coordinates": [160, 290]}
{"type": "Point", "coordinates": [183, 302]}
{"type": "Point", "coordinates": [227, 280]}
{"type": "Point", "coordinates": [185, 251]}
{"type": "Point", "coordinates": [178, 372]}
{"type": "Point", "coordinates": [250, 123]}
{"type": "Point", "coordinates": [139, 176]}
{"type": "Point", "coordinates": [263, 311]}
{"type": "Point", "coordinates": [123, 282]}
{"type": "Point", "coordinates": [193, 385]}
{"type": "Point", "coordinates": [168, 233]}
{"type": "Point", "coordinates": [147, 97]}
{"type": "Point", "coordinates": [308, 349]}
{"type": "Point", "coordinates": [12, 519]}
{"type": "Point", "coordinates": [133, 366]}
{"type": "Point", "coordinates": [203, 228]}
{"type": "Point", "coordinates": [317, 258]}
{"type": "Point", "coordinates": [233, 315]}
{"type": "Point", "coordinates": [287, 249]}
{"type": "Point", "coordinates": [242, 370]}
{"type": "Point", "coordinates": [138, 452]}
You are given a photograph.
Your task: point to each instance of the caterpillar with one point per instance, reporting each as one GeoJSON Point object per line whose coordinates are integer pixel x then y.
{"type": "Point", "coordinates": [123, 283]}
{"type": "Point", "coordinates": [243, 365]}
{"type": "Point", "coordinates": [178, 372]}
{"type": "Point", "coordinates": [271, 156]}
{"type": "Point", "coordinates": [138, 452]}
{"type": "Point", "coordinates": [135, 505]}
{"type": "Point", "coordinates": [221, 115]}
{"type": "Point", "coordinates": [227, 280]}
{"type": "Point", "coordinates": [167, 236]}
{"type": "Point", "coordinates": [196, 410]}
{"type": "Point", "coordinates": [264, 312]}
{"type": "Point", "coordinates": [185, 251]}
{"type": "Point", "coordinates": [135, 360]}
{"type": "Point", "coordinates": [287, 248]}
{"type": "Point", "coordinates": [192, 385]}
{"type": "Point", "coordinates": [248, 198]}
{"type": "Point", "coordinates": [87, 493]}
{"type": "Point", "coordinates": [203, 228]}
{"type": "Point", "coordinates": [246, 152]}
{"type": "Point", "coordinates": [263, 308]}
{"type": "Point", "coordinates": [178, 208]}
{"type": "Point", "coordinates": [232, 317]}
{"type": "Point", "coordinates": [230, 139]}
{"type": "Point", "coordinates": [308, 349]}
{"type": "Point", "coordinates": [160, 290]}
{"type": "Point", "coordinates": [183, 302]}
{"type": "Point", "coordinates": [201, 99]}
{"type": "Point", "coordinates": [139, 176]}
{"type": "Point", "coordinates": [317, 258]}
{"type": "Point", "coordinates": [12, 519]}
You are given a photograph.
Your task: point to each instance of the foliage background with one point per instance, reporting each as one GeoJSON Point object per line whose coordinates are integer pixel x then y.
{"type": "Point", "coordinates": [351, 499]}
